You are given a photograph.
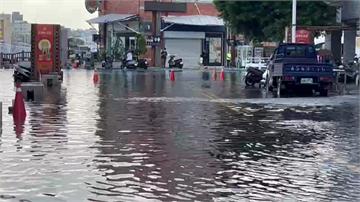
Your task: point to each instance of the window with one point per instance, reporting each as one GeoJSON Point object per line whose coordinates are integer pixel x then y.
{"type": "Point", "coordinates": [296, 51]}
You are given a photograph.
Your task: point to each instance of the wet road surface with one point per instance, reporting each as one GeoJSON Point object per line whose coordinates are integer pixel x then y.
{"type": "Point", "coordinates": [136, 136]}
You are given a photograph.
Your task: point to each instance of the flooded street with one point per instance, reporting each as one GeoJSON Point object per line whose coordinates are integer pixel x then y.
{"type": "Point", "coordinates": [137, 136]}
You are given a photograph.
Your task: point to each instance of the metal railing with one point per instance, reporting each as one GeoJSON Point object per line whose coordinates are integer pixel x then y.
{"type": "Point", "coordinates": [8, 59]}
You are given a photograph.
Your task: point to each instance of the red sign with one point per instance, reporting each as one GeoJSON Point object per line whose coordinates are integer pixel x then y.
{"type": "Point", "coordinates": [44, 48]}
{"type": "Point", "coordinates": [304, 36]}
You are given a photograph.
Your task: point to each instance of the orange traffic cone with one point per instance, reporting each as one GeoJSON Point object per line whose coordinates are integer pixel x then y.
{"type": "Point", "coordinates": [222, 74]}
{"type": "Point", "coordinates": [214, 74]}
{"type": "Point", "coordinates": [172, 75]}
{"type": "Point", "coordinates": [19, 112]}
{"type": "Point", "coordinates": [96, 76]}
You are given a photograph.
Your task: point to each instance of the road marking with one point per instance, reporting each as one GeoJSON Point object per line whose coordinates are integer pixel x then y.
{"type": "Point", "coordinates": [212, 96]}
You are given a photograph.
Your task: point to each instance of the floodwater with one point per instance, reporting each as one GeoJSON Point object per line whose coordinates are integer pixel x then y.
{"type": "Point", "coordinates": [137, 136]}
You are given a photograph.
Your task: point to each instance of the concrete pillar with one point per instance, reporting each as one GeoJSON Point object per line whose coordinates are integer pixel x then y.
{"type": "Point", "coordinates": [349, 45]}
{"type": "Point", "coordinates": [158, 34]}
{"type": "Point", "coordinates": [336, 49]}
{"type": "Point", "coordinates": [328, 41]}
{"type": "Point", "coordinates": [333, 43]}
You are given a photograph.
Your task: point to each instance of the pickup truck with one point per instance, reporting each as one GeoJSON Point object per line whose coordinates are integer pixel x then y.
{"type": "Point", "coordinates": [296, 66]}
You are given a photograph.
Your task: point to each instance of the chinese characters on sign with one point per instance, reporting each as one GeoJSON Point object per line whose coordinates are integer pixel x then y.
{"type": "Point", "coordinates": [303, 36]}
{"type": "Point", "coordinates": [44, 49]}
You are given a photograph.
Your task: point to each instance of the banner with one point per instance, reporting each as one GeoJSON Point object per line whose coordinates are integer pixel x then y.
{"type": "Point", "coordinates": [304, 36]}
{"type": "Point", "coordinates": [44, 48]}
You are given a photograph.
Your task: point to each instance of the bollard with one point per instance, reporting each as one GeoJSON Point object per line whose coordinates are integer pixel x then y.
{"type": "Point", "coordinates": [172, 75]}
{"type": "Point", "coordinates": [19, 112]}
{"type": "Point", "coordinates": [96, 76]}
{"type": "Point", "coordinates": [222, 74]}
{"type": "Point", "coordinates": [214, 74]}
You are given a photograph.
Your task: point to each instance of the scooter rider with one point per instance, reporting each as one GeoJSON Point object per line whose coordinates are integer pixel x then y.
{"type": "Point", "coordinates": [129, 56]}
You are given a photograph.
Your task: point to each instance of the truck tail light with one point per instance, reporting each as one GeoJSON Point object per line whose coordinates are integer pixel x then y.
{"type": "Point", "coordinates": [288, 78]}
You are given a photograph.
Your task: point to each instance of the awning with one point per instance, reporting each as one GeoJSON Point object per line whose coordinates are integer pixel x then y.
{"type": "Point", "coordinates": [111, 18]}
{"type": "Point", "coordinates": [196, 20]}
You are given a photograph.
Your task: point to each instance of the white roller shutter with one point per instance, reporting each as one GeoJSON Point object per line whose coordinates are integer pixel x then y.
{"type": "Point", "coordinates": [188, 49]}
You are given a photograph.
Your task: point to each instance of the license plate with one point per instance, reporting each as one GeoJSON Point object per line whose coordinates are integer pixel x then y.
{"type": "Point", "coordinates": [306, 80]}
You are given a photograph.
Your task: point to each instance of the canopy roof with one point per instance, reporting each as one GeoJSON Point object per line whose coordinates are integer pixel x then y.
{"type": "Point", "coordinates": [111, 18]}
{"type": "Point", "coordinates": [196, 20]}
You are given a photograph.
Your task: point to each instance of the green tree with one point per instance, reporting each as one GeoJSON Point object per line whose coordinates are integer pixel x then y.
{"type": "Point", "coordinates": [141, 45]}
{"type": "Point", "coordinates": [266, 20]}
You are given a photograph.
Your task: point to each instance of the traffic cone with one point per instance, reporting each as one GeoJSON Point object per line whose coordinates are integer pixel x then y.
{"type": "Point", "coordinates": [172, 75]}
{"type": "Point", "coordinates": [19, 112]}
{"type": "Point", "coordinates": [222, 74]}
{"type": "Point", "coordinates": [96, 76]}
{"type": "Point", "coordinates": [214, 74]}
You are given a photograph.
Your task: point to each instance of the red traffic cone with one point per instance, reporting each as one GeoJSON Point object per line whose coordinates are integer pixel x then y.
{"type": "Point", "coordinates": [96, 76]}
{"type": "Point", "coordinates": [19, 112]}
{"type": "Point", "coordinates": [172, 75]}
{"type": "Point", "coordinates": [214, 74]}
{"type": "Point", "coordinates": [222, 74]}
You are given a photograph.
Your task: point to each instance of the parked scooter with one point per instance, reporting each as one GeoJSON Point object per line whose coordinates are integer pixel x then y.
{"type": "Point", "coordinates": [253, 76]}
{"type": "Point", "coordinates": [135, 63]}
{"type": "Point", "coordinates": [175, 62]}
{"type": "Point", "coordinates": [143, 63]}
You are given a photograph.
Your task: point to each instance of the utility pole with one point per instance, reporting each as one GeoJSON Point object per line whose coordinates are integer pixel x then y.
{"type": "Point", "coordinates": [293, 24]}
{"type": "Point", "coordinates": [156, 33]}
{"type": "Point", "coordinates": [157, 7]}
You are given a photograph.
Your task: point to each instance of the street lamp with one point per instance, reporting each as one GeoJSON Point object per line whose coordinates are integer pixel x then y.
{"type": "Point", "coordinates": [293, 24]}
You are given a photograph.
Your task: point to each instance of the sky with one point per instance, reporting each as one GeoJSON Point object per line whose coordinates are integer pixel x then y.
{"type": "Point", "coordinates": [68, 13]}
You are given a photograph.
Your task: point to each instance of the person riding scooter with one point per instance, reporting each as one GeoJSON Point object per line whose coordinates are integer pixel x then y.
{"type": "Point", "coordinates": [129, 61]}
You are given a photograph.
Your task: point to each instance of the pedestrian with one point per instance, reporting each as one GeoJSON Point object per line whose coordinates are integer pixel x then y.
{"type": "Point", "coordinates": [201, 61]}
{"type": "Point", "coordinates": [163, 57]}
{"type": "Point", "coordinates": [228, 58]}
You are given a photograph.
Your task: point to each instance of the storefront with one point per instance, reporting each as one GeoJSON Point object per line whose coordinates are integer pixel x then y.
{"type": "Point", "coordinates": [189, 37]}
{"type": "Point", "coordinates": [118, 32]}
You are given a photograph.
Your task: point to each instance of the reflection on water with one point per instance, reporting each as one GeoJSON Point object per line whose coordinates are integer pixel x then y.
{"type": "Point", "coordinates": [138, 136]}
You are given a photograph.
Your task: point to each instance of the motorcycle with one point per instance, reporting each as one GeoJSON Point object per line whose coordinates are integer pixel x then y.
{"type": "Point", "coordinates": [253, 76]}
{"type": "Point", "coordinates": [175, 63]}
{"type": "Point", "coordinates": [131, 64]}
{"type": "Point", "coordinates": [143, 63]}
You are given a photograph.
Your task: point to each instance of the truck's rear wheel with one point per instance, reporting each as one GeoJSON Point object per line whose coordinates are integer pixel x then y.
{"type": "Point", "coordinates": [248, 80]}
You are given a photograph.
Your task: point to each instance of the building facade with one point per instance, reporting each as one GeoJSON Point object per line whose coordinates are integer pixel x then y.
{"type": "Point", "coordinates": [15, 34]}
{"type": "Point", "coordinates": [186, 40]}
{"type": "Point", "coordinates": [86, 36]}
{"type": "Point", "coordinates": [5, 28]}
{"type": "Point", "coordinates": [16, 16]}
{"type": "Point", "coordinates": [21, 32]}
{"type": "Point", "coordinates": [350, 16]}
